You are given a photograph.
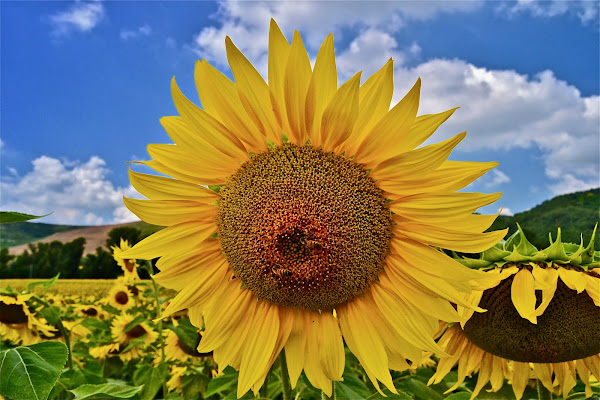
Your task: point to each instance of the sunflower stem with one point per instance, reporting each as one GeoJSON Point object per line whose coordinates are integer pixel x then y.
{"type": "Point", "coordinates": [148, 267]}
{"type": "Point", "coordinates": [543, 392]}
{"type": "Point", "coordinates": [333, 396]}
{"type": "Point", "coordinates": [285, 377]}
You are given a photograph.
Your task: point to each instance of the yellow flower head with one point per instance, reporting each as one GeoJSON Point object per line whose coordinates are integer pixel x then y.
{"type": "Point", "coordinates": [542, 319]}
{"type": "Point", "coordinates": [122, 336]}
{"type": "Point", "coordinates": [18, 324]}
{"type": "Point", "coordinates": [128, 265]}
{"type": "Point", "coordinates": [120, 296]}
{"type": "Point", "coordinates": [321, 209]}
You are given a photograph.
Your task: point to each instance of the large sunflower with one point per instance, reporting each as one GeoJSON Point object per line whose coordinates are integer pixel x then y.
{"type": "Point", "coordinates": [542, 319]}
{"type": "Point", "coordinates": [321, 220]}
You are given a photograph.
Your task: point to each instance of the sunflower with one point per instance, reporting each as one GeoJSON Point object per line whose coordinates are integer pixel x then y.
{"type": "Point", "coordinates": [120, 296]}
{"type": "Point", "coordinates": [91, 311]}
{"type": "Point", "coordinates": [128, 265]}
{"type": "Point", "coordinates": [18, 324]}
{"type": "Point", "coordinates": [320, 222]}
{"type": "Point", "coordinates": [125, 337]}
{"type": "Point", "coordinates": [542, 319]}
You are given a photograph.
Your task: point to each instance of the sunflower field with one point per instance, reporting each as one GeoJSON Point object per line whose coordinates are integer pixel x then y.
{"type": "Point", "coordinates": [313, 249]}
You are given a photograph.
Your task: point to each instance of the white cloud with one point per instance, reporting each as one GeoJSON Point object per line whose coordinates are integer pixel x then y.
{"type": "Point", "coordinates": [505, 211]}
{"type": "Point", "coordinates": [143, 30]}
{"type": "Point", "coordinates": [495, 178]}
{"type": "Point", "coordinates": [79, 194]}
{"type": "Point", "coordinates": [247, 22]}
{"type": "Point", "coordinates": [80, 16]}
{"type": "Point", "coordinates": [502, 110]}
{"type": "Point", "coordinates": [586, 10]}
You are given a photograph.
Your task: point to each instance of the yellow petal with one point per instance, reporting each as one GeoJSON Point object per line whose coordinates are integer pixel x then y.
{"type": "Point", "coordinates": [451, 176]}
{"type": "Point", "coordinates": [322, 87]}
{"type": "Point", "coordinates": [331, 345]}
{"type": "Point", "coordinates": [173, 239]}
{"type": "Point", "coordinates": [163, 169]}
{"type": "Point", "coordinates": [573, 279]}
{"type": "Point", "coordinates": [443, 204]}
{"type": "Point", "coordinates": [279, 50]}
{"type": "Point", "coordinates": [452, 239]}
{"type": "Point", "coordinates": [374, 102]}
{"type": "Point", "coordinates": [545, 280]}
{"type": "Point", "coordinates": [190, 164]}
{"type": "Point", "coordinates": [225, 314]}
{"type": "Point", "coordinates": [413, 326]}
{"type": "Point", "coordinates": [423, 127]}
{"type": "Point", "coordinates": [295, 84]}
{"type": "Point", "coordinates": [593, 288]}
{"type": "Point", "coordinates": [522, 293]}
{"type": "Point", "coordinates": [312, 357]}
{"type": "Point", "coordinates": [207, 127]}
{"type": "Point", "coordinates": [219, 98]}
{"type": "Point", "coordinates": [417, 162]}
{"type": "Point", "coordinates": [161, 188]}
{"type": "Point", "coordinates": [177, 276]}
{"type": "Point", "coordinates": [295, 347]}
{"type": "Point", "coordinates": [363, 340]}
{"type": "Point", "coordinates": [259, 345]}
{"type": "Point", "coordinates": [230, 352]}
{"type": "Point", "coordinates": [253, 92]}
{"type": "Point", "coordinates": [485, 372]}
{"type": "Point", "coordinates": [340, 114]}
{"type": "Point", "coordinates": [386, 138]}
{"type": "Point", "coordinates": [207, 247]}
{"type": "Point", "coordinates": [206, 281]}
{"type": "Point", "coordinates": [170, 212]}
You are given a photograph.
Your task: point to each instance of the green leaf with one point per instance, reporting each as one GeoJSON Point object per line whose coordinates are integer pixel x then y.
{"type": "Point", "coordinates": [419, 390]}
{"type": "Point", "coordinates": [105, 391]}
{"type": "Point", "coordinates": [30, 372]}
{"type": "Point", "coordinates": [8, 217]}
{"type": "Point", "coordinates": [187, 334]}
{"type": "Point", "coordinates": [352, 387]}
{"type": "Point", "coordinates": [47, 284]}
{"type": "Point", "coordinates": [222, 384]}
{"type": "Point", "coordinates": [459, 396]}
{"type": "Point", "coordinates": [52, 314]}
{"type": "Point", "coordinates": [193, 386]}
{"type": "Point", "coordinates": [388, 395]}
{"type": "Point", "coordinates": [155, 382]}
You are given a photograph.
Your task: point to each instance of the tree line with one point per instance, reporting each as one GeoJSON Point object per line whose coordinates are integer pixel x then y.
{"type": "Point", "coordinates": [45, 260]}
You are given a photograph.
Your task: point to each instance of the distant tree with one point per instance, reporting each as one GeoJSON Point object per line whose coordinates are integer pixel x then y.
{"type": "Point", "coordinates": [131, 234]}
{"type": "Point", "coordinates": [45, 260]}
{"type": "Point", "coordinates": [99, 266]}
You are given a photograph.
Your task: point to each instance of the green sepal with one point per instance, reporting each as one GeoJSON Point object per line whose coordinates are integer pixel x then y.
{"type": "Point", "coordinates": [495, 253]}
{"type": "Point", "coordinates": [589, 255]}
{"type": "Point", "coordinates": [525, 247]}
{"type": "Point", "coordinates": [473, 263]}
{"type": "Point", "coordinates": [556, 251]}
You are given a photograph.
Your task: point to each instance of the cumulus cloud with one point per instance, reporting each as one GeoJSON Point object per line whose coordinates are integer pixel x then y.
{"type": "Point", "coordinates": [506, 211]}
{"type": "Point", "coordinates": [127, 34]}
{"type": "Point", "coordinates": [78, 193]}
{"type": "Point", "coordinates": [245, 23]}
{"type": "Point", "coordinates": [586, 11]}
{"type": "Point", "coordinates": [81, 16]}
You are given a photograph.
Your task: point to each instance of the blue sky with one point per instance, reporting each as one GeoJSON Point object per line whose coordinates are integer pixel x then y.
{"type": "Point", "coordinates": [83, 85]}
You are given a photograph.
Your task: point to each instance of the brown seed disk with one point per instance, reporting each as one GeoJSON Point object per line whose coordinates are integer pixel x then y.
{"type": "Point", "coordinates": [136, 332]}
{"type": "Point", "coordinates": [121, 298]}
{"type": "Point", "coordinates": [304, 228]}
{"type": "Point", "coordinates": [568, 329]}
{"type": "Point", "coordinates": [12, 313]}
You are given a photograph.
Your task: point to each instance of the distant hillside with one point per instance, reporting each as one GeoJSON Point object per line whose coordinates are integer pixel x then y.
{"type": "Point", "coordinates": [26, 232]}
{"type": "Point", "coordinates": [95, 236]}
{"type": "Point", "coordinates": [575, 213]}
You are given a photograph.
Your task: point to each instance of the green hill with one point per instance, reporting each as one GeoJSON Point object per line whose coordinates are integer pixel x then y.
{"type": "Point", "coordinates": [575, 213]}
{"type": "Point", "coordinates": [26, 232]}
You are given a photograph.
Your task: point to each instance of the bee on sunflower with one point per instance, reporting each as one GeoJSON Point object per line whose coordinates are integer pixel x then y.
{"type": "Point", "coordinates": [321, 221]}
{"type": "Point", "coordinates": [542, 318]}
